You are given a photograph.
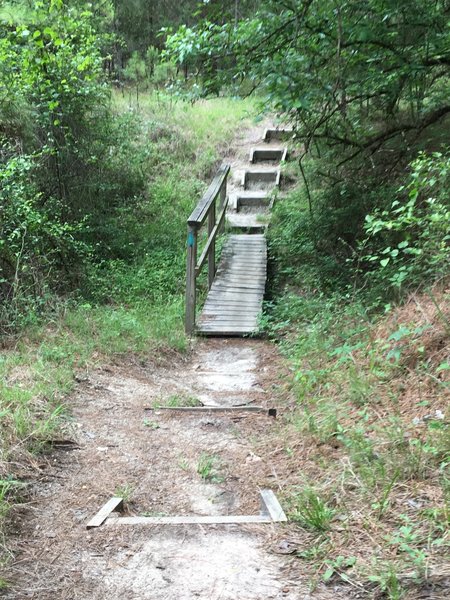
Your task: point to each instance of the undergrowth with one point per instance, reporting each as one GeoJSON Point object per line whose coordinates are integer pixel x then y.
{"type": "Point", "coordinates": [368, 435]}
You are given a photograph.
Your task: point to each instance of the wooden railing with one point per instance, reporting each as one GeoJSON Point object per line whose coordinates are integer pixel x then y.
{"type": "Point", "coordinates": [206, 210]}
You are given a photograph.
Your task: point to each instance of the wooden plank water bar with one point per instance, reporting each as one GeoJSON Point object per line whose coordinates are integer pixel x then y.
{"type": "Point", "coordinates": [113, 504]}
{"type": "Point", "coordinates": [271, 512]}
{"type": "Point", "coordinates": [192, 520]}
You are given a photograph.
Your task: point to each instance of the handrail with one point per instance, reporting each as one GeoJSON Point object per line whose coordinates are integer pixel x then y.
{"type": "Point", "coordinates": [205, 209]}
{"type": "Point", "coordinates": [211, 240]}
{"type": "Point", "coordinates": [199, 213]}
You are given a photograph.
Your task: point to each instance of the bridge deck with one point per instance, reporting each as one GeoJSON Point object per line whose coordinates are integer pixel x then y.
{"type": "Point", "coordinates": [234, 302]}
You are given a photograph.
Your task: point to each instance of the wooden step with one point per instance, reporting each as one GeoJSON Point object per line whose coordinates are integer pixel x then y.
{"type": "Point", "coordinates": [247, 221]}
{"type": "Point", "coordinates": [252, 199]}
{"type": "Point", "coordinates": [278, 133]}
{"type": "Point", "coordinates": [268, 154]}
{"type": "Point", "coordinates": [255, 177]}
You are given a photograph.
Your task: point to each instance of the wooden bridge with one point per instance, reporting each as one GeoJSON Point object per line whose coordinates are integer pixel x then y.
{"type": "Point", "coordinates": [236, 285]}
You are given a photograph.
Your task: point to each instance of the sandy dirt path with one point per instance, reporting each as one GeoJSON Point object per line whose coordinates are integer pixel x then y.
{"type": "Point", "coordinates": [153, 458]}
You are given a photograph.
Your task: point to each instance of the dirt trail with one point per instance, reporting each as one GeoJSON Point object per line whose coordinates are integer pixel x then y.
{"type": "Point", "coordinates": [152, 458]}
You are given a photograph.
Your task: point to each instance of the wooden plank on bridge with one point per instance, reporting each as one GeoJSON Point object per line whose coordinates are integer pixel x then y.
{"type": "Point", "coordinates": [234, 302]}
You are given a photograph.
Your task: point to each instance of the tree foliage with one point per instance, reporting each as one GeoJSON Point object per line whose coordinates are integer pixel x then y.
{"type": "Point", "coordinates": [60, 181]}
{"type": "Point", "coordinates": [414, 231]}
{"type": "Point", "coordinates": [365, 84]}
{"type": "Point", "coordinates": [337, 68]}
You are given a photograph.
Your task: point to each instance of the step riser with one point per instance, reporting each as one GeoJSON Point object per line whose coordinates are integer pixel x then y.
{"type": "Point", "coordinates": [254, 178]}
{"type": "Point", "coordinates": [250, 228]}
{"type": "Point", "coordinates": [261, 155]}
{"type": "Point", "coordinates": [255, 203]}
{"type": "Point", "coordinates": [277, 134]}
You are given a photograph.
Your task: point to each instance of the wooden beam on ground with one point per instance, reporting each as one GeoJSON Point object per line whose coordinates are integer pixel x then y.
{"type": "Point", "coordinates": [202, 409]}
{"type": "Point", "coordinates": [271, 506]}
{"type": "Point", "coordinates": [192, 520]}
{"type": "Point", "coordinates": [113, 504]}
{"type": "Point", "coordinates": [271, 512]}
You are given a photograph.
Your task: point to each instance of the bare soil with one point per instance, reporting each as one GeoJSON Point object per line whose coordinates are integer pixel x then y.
{"type": "Point", "coordinates": [151, 457]}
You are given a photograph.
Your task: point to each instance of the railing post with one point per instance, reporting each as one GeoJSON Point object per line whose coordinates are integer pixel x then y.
{"type": "Point", "coordinates": [189, 323]}
{"type": "Point", "coordinates": [223, 196]}
{"type": "Point", "coordinates": [212, 249]}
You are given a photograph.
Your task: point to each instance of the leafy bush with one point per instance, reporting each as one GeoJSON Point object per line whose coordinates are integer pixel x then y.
{"type": "Point", "coordinates": [50, 69]}
{"type": "Point", "coordinates": [35, 239]}
{"type": "Point", "coordinates": [314, 232]}
{"type": "Point", "coordinates": [410, 242]}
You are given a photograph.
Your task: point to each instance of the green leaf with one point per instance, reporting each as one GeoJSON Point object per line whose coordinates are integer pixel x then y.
{"type": "Point", "coordinates": [401, 333]}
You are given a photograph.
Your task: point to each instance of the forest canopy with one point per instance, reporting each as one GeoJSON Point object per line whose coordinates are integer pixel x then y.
{"type": "Point", "coordinates": [366, 86]}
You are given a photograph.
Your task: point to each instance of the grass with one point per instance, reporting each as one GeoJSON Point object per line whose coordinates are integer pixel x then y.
{"type": "Point", "coordinates": [208, 467]}
{"type": "Point", "coordinates": [183, 463]}
{"type": "Point", "coordinates": [125, 492]}
{"type": "Point", "coordinates": [4, 584]}
{"type": "Point", "coordinates": [211, 124]}
{"type": "Point", "coordinates": [386, 578]}
{"type": "Point", "coordinates": [151, 424]}
{"type": "Point", "coordinates": [371, 430]}
{"type": "Point", "coordinates": [6, 487]}
{"type": "Point", "coordinates": [311, 511]}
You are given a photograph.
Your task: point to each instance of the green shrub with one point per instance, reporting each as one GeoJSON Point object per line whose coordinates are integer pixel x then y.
{"type": "Point", "coordinates": [36, 241]}
{"type": "Point", "coordinates": [410, 242]}
{"type": "Point", "coordinates": [315, 231]}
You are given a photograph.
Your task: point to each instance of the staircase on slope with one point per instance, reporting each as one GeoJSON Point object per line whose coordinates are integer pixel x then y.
{"type": "Point", "coordinates": [234, 302]}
